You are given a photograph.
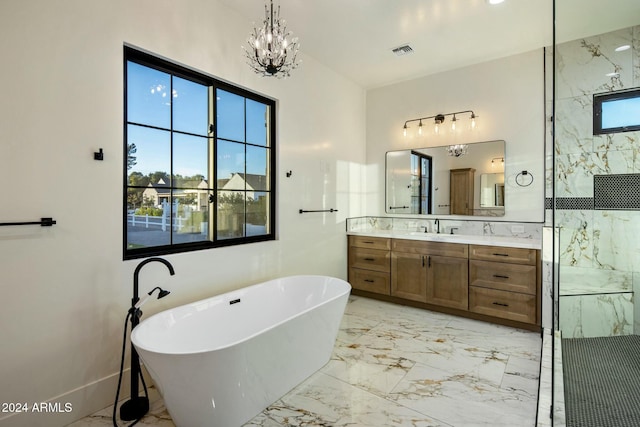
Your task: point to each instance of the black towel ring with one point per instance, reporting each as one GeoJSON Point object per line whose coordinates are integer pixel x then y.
{"type": "Point", "coordinates": [526, 179]}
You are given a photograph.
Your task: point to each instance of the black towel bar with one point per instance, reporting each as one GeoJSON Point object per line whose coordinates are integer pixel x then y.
{"type": "Point", "coordinates": [326, 210]}
{"type": "Point", "coordinates": [44, 222]}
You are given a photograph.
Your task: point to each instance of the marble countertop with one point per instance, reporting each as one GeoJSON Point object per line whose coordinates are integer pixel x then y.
{"type": "Point", "coordinates": [505, 241]}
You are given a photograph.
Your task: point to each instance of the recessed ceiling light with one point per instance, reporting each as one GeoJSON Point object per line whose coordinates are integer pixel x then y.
{"type": "Point", "coordinates": [495, 1]}
{"type": "Point", "coordinates": [623, 47]}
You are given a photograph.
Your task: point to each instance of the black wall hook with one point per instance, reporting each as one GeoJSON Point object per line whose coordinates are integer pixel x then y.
{"type": "Point", "coordinates": [98, 155]}
{"type": "Point", "coordinates": [289, 174]}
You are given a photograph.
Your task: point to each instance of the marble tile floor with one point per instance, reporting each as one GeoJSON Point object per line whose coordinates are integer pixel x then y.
{"type": "Point", "coordinates": [400, 366]}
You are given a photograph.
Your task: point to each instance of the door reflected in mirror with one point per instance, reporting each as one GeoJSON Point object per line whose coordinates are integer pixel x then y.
{"type": "Point", "coordinates": [440, 181]}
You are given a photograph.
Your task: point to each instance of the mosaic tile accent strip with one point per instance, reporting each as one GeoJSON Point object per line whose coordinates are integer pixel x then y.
{"type": "Point", "coordinates": [548, 203]}
{"type": "Point", "coordinates": [620, 191]}
{"type": "Point", "coordinates": [570, 203]}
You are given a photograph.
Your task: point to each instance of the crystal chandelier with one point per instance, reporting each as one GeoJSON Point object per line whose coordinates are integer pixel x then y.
{"type": "Point", "coordinates": [272, 51]}
{"type": "Point", "coordinates": [457, 150]}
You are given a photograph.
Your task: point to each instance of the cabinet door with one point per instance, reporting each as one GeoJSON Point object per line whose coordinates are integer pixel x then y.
{"type": "Point", "coordinates": [447, 281]}
{"type": "Point", "coordinates": [408, 276]}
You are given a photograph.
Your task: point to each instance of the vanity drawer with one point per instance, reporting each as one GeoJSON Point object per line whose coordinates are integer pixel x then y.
{"type": "Point", "coordinates": [503, 254]}
{"type": "Point", "coordinates": [503, 276]}
{"type": "Point", "coordinates": [370, 242]}
{"type": "Point", "coordinates": [370, 259]}
{"type": "Point", "coordinates": [370, 281]}
{"type": "Point", "coordinates": [456, 250]}
{"type": "Point", "coordinates": [507, 305]}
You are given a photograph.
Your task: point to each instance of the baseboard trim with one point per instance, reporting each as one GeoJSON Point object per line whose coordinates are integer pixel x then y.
{"type": "Point", "coordinates": [71, 406]}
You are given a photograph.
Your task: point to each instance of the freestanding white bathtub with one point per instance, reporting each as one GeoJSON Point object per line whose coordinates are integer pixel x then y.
{"type": "Point", "coordinates": [222, 360]}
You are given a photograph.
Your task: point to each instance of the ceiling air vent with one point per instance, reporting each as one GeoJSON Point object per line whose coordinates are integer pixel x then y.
{"type": "Point", "coordinates": [402, 50]}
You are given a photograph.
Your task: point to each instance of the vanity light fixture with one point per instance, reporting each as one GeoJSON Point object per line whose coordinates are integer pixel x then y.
{"type": "Point", "coordinates": [271, 50]}
{"type": "Point", "coordinates": [438, 119]}
{"type": "Point", "coordinates": [493, 161]}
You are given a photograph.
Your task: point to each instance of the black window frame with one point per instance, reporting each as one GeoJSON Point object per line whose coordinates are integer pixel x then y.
{"type": "Point", "coordinates": [424, 194]}
{"type": "Point", "coordinates": [600, 98]}
{"type": "Point", "coordinates": [148, 60]}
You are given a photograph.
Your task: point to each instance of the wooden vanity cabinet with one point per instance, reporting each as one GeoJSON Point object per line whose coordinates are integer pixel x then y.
{"type": "Point", "coordinates": [430, 272]}
{"type": "Point", "coordinates": [369, 264]}
{"type": "Point", "coordinates": [503, 282]}
{"type": "Point", "coordinates": [490, 283]}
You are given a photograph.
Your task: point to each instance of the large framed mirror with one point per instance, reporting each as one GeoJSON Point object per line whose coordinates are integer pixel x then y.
{"type": "Point", "coordinates": [449, 180]}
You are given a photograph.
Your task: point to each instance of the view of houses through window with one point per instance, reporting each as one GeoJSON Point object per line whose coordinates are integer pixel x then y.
{"type": "Point", "coordinates": [199, 160]}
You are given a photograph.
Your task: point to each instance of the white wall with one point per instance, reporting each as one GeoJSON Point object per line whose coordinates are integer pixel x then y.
{"type": "Point", "coordinates": [65, 289]}
{"type": "Point", "coordinates": [507, 95]}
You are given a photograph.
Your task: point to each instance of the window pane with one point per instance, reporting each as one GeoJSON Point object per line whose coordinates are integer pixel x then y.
{"type": "Point", "coordinates": [190, 164]}
{"type": "Point", "coordinates": [258, 214]}
{"type": "Point", "coordinates": [230, 115]}
{"type": "Point", "coordinates": [231, 212]}
{"type": "Point", "coordinates": [230, 158]}
{"type": "Point", "coordinates": [257, 114]}
{"type": "Point", "coordinates": [257, 167]}
{"type": "Point", "coordinates": [148, 226]}
{"type": "Point", "coordinates": [620, 113]}
{"type": "Point", "coordinates": [191, 218]}
{"type": "Point", "coordinates": [149, 154]}
{"type": "Point", "coordinates": [148, 96]}
{"type": "Point", "coordinates": [190, 106]}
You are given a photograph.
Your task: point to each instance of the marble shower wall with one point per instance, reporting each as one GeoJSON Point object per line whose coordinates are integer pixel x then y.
{"type": "Point", "coordinates": [599, 250]}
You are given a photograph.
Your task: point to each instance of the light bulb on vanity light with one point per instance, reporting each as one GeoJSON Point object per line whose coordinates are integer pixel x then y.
{"type": "Point", "coordinates": [473, 121]}
{"type": "Point", "coordinates": [420, 128]}
{"type": "Point", "coordinates": [404, 130]}
{"type": "Point", "coordinates": [453, 123]}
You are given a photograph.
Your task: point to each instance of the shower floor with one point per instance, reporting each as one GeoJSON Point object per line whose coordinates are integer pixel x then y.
{"type": "Point", "coordinates": [601, 381]}
{"type": "Point", "coordinates": [400, 366]}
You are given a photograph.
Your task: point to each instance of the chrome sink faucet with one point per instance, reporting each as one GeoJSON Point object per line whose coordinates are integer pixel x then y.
{"type": "Point", "coordinates": [436, 225]}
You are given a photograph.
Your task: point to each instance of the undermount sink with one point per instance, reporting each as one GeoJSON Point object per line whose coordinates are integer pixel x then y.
{"type": "Point", "coordinates": [430, 235]}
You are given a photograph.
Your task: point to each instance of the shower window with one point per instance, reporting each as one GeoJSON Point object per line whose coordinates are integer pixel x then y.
{"type": "Point", "coordinates": [616, 112]}
{"type": "Point", "coordinates": [199, 160]}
